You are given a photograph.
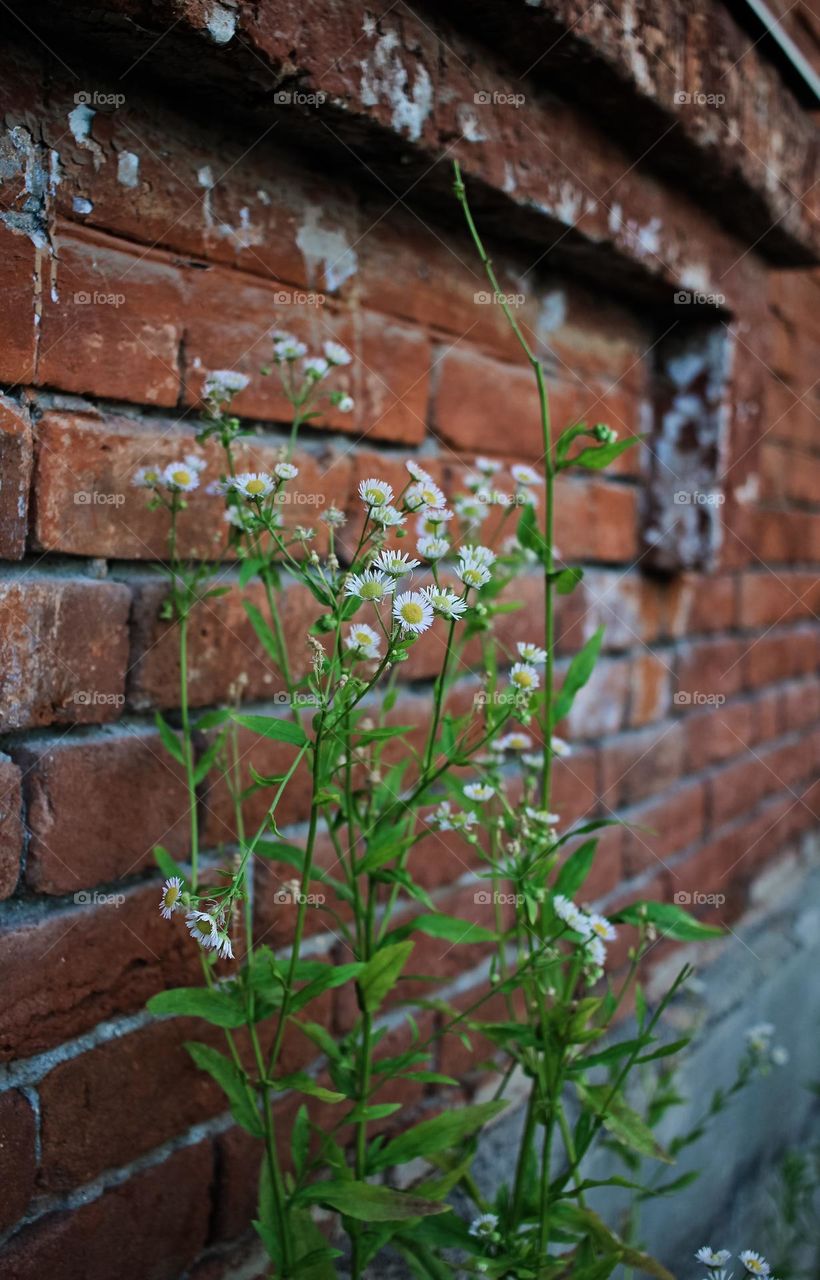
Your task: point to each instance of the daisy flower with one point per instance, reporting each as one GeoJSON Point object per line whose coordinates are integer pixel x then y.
{"type": "Point", "coordinates": [432, 548]}
{"type": "Point", "coordinates": [479, 791]}
{"type": "Point", "coordinates": [472, 574]}
{"type": "Point", "coordinates": [396, 563]}
{"type": "Point", "coordinates": [755, 1264]}
{"type": "Point", "coordinates": [524, 677]}
{"type": "Point", "coordinates": [316, 367]}
{"type": "Point", "coordinates": [487, 466]}
{"type": "Point", "coordinates": [253, 484]}
{"type": "Point", "coordinates": [470, 509]}
{"type": "Point", "coordinates": [286, 347]}
{"type": "Point", "coordinates": [334, 517]}
{"type": "Point", "coordinates": [596, 953]}
{"type": "Point", "coordinates": [388, 517]}
{"type": "Point", "coordinates": [429, 524]}
{"type": "Point", "coordinates": [363, 641]}
{"type": "Point", "coordinates": [479, 555]}
{"type": "Point", "coordinates": [147, 478]}
{"type": "Point", "coordinates": [180, 477]}
{"type": "Point", "coordinates": [171, 894]}
{"type": "Point", "coordinates": [202, 926]}
{"type": "Point", "coordinates": [237, 517]}
{"type": "Point", "coordinates": [599, 927]}
{"type": "Point", "coordinates": [531, 653]}
{"type": "Point", "coordinates": [285, 471]}
{"type": "Point", "coordinates": [713, 1258]}
{"type": "Point", "coordinates": [463, 819]}
{"type": "Point", "coordinates": [423, 495]}
{"type": "Point", "coordinates": [418, 473]}
{"type": "Point", "coordinates": [413, 612]}
{"type": "Point", "coordinates": [375, 493]}
{"type": "Point", "coordinates": [484, 1225]}
{"type": "Point", "coordinates": [515, 741]}
{"type": "Point", "coordinates": [224, 948]}
{"type": "Point", "coordinates": [524, 475]}
{"type": "Point", "coordinates": [568, 912]}
{"type": "Point", "coordinates": [542, 817]}
{"type": "Point", "coordinates": [221, 384]}
{"type": "Point", "coordinates": [445, 602]}
{"type": "Point", "coordinates": [370, 585]}
{"type": "Point", "coordinates": [195, 462]}
{"type": "Point", "coordinates": [560, 747]}
{"type": "Point", "coordinates": [343, 402]}
{"type": "Point", "coordinates": [442, 817]}
{"type": "Point", "coordinates": [336, 353]}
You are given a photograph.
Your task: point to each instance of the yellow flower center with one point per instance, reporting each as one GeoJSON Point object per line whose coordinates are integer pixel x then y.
{"type": "Point", "coordinates": [412, 612]}
{"type": "Point", "coordinates": [371, 590]}
{"type": "Point", "coordinates": [180, 476]}
{"type": "Point", "coordinates": [376, 497]}
{"type": "Point", "coordinates": [204, 927]}
{"type": "Point", "coordinates": [255, 486]}
{"type": "Point", "coordinates": [523, 679]}
{"type": "Point", "coordinates": [171, 895]}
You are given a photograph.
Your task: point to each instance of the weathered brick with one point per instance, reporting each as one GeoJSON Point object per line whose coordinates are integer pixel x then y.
{"type": "Point", "coordinates": [667, 826]}
{"type": "Point", "coordinates": [709, 670]}
{"type": "Point", "coordinates": [154, 1224]}
{"type": "Point", "coordinates": [63, 650]}
{"type": "Point", "coordinates": [96, 806]}
{"type": "Point", "coordinates": [15, 467]}
{"type": "Point", "coordinates": [637, 765]}
{"type": "Point", "coordinates": [102, 1109]}
{"type": "Point", "coordinates": [70, 970]}
{"type": "Point", "coordinates": [11, 826]}
{"type": "Point", "coordinates": [23, 277]}
{"type": "Point", "coordinates": [18, 1160]}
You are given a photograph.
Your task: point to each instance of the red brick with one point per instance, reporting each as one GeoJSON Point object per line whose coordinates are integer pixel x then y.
{"type": "Point", "coordinates": [778, 656]}
{"type": "Point", "coordinates": [641, 764]}
{"type": "Point", "coordinates": [651, 688]}
{"type": "Point", "coordinates": [116, 1102]}
{"type": "Point", "coordinates": [125, 349]}
{"type": "Point", "coordinates": [238, 1259]}
{"type": "Point", "coordinates": [718, 734]}
{"type": "Point", "coordinates": [673, 823]}
{"type": "Point", "coordinates": [23, 278]}
{"type": "Point", "coordinates": [602, 704]}
{"type": "Point", "coordinates": [153, 1225]}
{"type": "Point", "coordinates": [72, 969]}
{"type": "Point", "coordinates": [15, 467]}
{"type": "Point", "coordinates": [18, 1160]}
{"type": "Point", "coordinates": [97, 806]}
{"type": "Point", "coordinates": [596, 520]}
{"type": "Point", "coordinates": [697, 604]}
{"type": "Point", "coordinates": [741, 786]}
{"type": "Point", "coordinates": [709, 669]}
{"type": "Point", "coordinates": [11, 826]}
{"type": "Point", "coordinates": [236, 1198]}
{"type": "Point", "coordinates": [769, 599]}
{"type": "Point", "coordinates": [630, 608]}
{"type": "Point", "coordinates": [801, 704]}
{"type": "Point", "coordinates": [63, 650]}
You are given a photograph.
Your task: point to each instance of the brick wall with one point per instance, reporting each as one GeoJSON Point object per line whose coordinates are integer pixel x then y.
{"type": "Point", "coordinates": [145, 242]}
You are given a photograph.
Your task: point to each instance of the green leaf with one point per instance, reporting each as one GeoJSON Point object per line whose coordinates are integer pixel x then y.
{"type": "Point", "coordinates": [589, 1223]}
{"type": "Point", "coordinates": [566, 438]}
{"type": "Point", "coordinates": [273, 727]}
{"type": "Point", "coordinates": [220, 1008]}
{"type": "Point", "coordinates": [263, 632]}
{"type": "Point", "coordinates": [566, 580]}
{"type": "Point", "coordinates": [330, 977]}
{"type": "Point", "coordinates": [301, 1082]}
{"type": "Point", "coordinates": [672, 921]}
{"type": "Point", "coordinates": [439, 1134]}
{"type": "Point", "coordinates": [206, 760]}
{"type": "Point", "coordinates": [212, 719]}
{"type": "Point", "coordinates": [450, 928]}
{"type": "Point", "coordinates": [595, 459]}
{"type": "Point", "coordinates": [621, 1121]}
{"type": "Point", "coordinates": [170, 741]}
{"type": "Point", "coordinates": [300, 1139]}
{"type": "Point", "coordinates": [529, 535]}
{"type": "Point", "coordinates": [367, 1203]}
{"type": "Point", "coordinates": [381, 974]}
{"type": "Point", "coordinates": [167, 865]}
{"type": "Point", "coordinates": [233, 1083]}
{"type": "Point", "coordinates": [383, 735]}
{"type": "Point", "coordinates": [578, 672]}
{"type": "Point", "coordinates": [576, 869]}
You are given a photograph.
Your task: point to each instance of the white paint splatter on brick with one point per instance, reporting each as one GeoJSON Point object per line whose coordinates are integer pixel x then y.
{"type": "Point", "coordinates": [553, 311]}
{"type": "Point", "coordinates": [80, 121]}
{"type": "Point", "coordinates": [80, 205]}
{"type": "Point", "coordinates": [329, 258]}
{"type": "Point", "coordinates": [128, 169]}
{"type": "Point", "coordinates": [385, 77]}
{"type": "Point", "coordinates": [221, 24]}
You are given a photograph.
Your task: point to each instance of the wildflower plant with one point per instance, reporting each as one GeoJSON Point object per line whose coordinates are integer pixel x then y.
{"type": "Point", "coordinates": [415, 562]}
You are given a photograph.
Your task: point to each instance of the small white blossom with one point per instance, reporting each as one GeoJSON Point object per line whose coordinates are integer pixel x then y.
{"type": "Point", "coordinates": [479, 555]}
{"type": "Point", "coordinates": [203, 927]}
{"type": "Point", "coordinates": [413, 612]}
{"type": "Point", "coordinates": [568, 912]}
{"type": "Point", "coordinates": [472, 574]}
{"type": "Point", "coordinates": [480, 791]}
{"type": "Point", "coordinates": [388, 517]}
{"type": "Point", "coordinates": [524, 475]}
{"type": "Point", "coordinates": [779, 1055]}
{"type": "Point", "coordinates": [531, 653]}
{"type": "Point", "coordinates": [171, 894]}
{"type": "Point", "coordinates": [599, 927]}
{"type": "Point", "coordinates": [445, 602]}
{"type": "Point", "coordinates": [253, 484]}
{"type": "Point", "coordinates": [396, 563]}
{"type": "Point", "coordinates": [344, 403]}
{"type": "Point", "coordinates": [195, 462]}
{"type": "Point", "coordinates": [286, 347]}
{"type": "Point", "coordinates": [755, 1263]}
{"type": "Point", "coordinates": [560, 747]}
{"type": "Point", "coordinates": [224, 948]}
{"type": "Point", "coordinates": [432, 548]}
{"type": "Point", "coordinates": [285, 471]}
{"type": "Point", "coordinates": [375, 493]}
{"type": "Point", "coordinates": [423, 495]}
{"type": "Point", "coordinates": [237, 517]}
{"type": "Point", "coordinates": [470, 509]}
{"type": "Point", "coordinates": [484, 1225]}
{"type": "Point", "coordinates": [180, 477]}
{"type": "Point", "coordinates": [336, 353]}
{"type": "Point", "coordinates": [713, 1258]}
{"type": "Point", "coordinates": [222, 384]}
{"type": "Point", "coordinates": [524, 677]}
{"type": "Point", "coordinates": [418, 473]}
{"type": "Point", "coordinates": [316, 367]}
{"type": "Point", "coordinates": [515, 741]}
{"type": "Point", "coordinates": [429, 523]}
{"type": "Point", "coordinates": [759, 1037]}
{"type": "Point", "coordinates": [363, 640]}
{"type": "Point", "coordinates": [334, 517]}
{"type": "Point", "coordinates": [542, 817]}
{"type": "Point", "coordinates": [370, 585]}
{"type": "Point", "coordinates": [147, 477]}
{"type": "Point", "coordinates": [596, 953]}
{"type": "Point", "coordinates": [487, 466]}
